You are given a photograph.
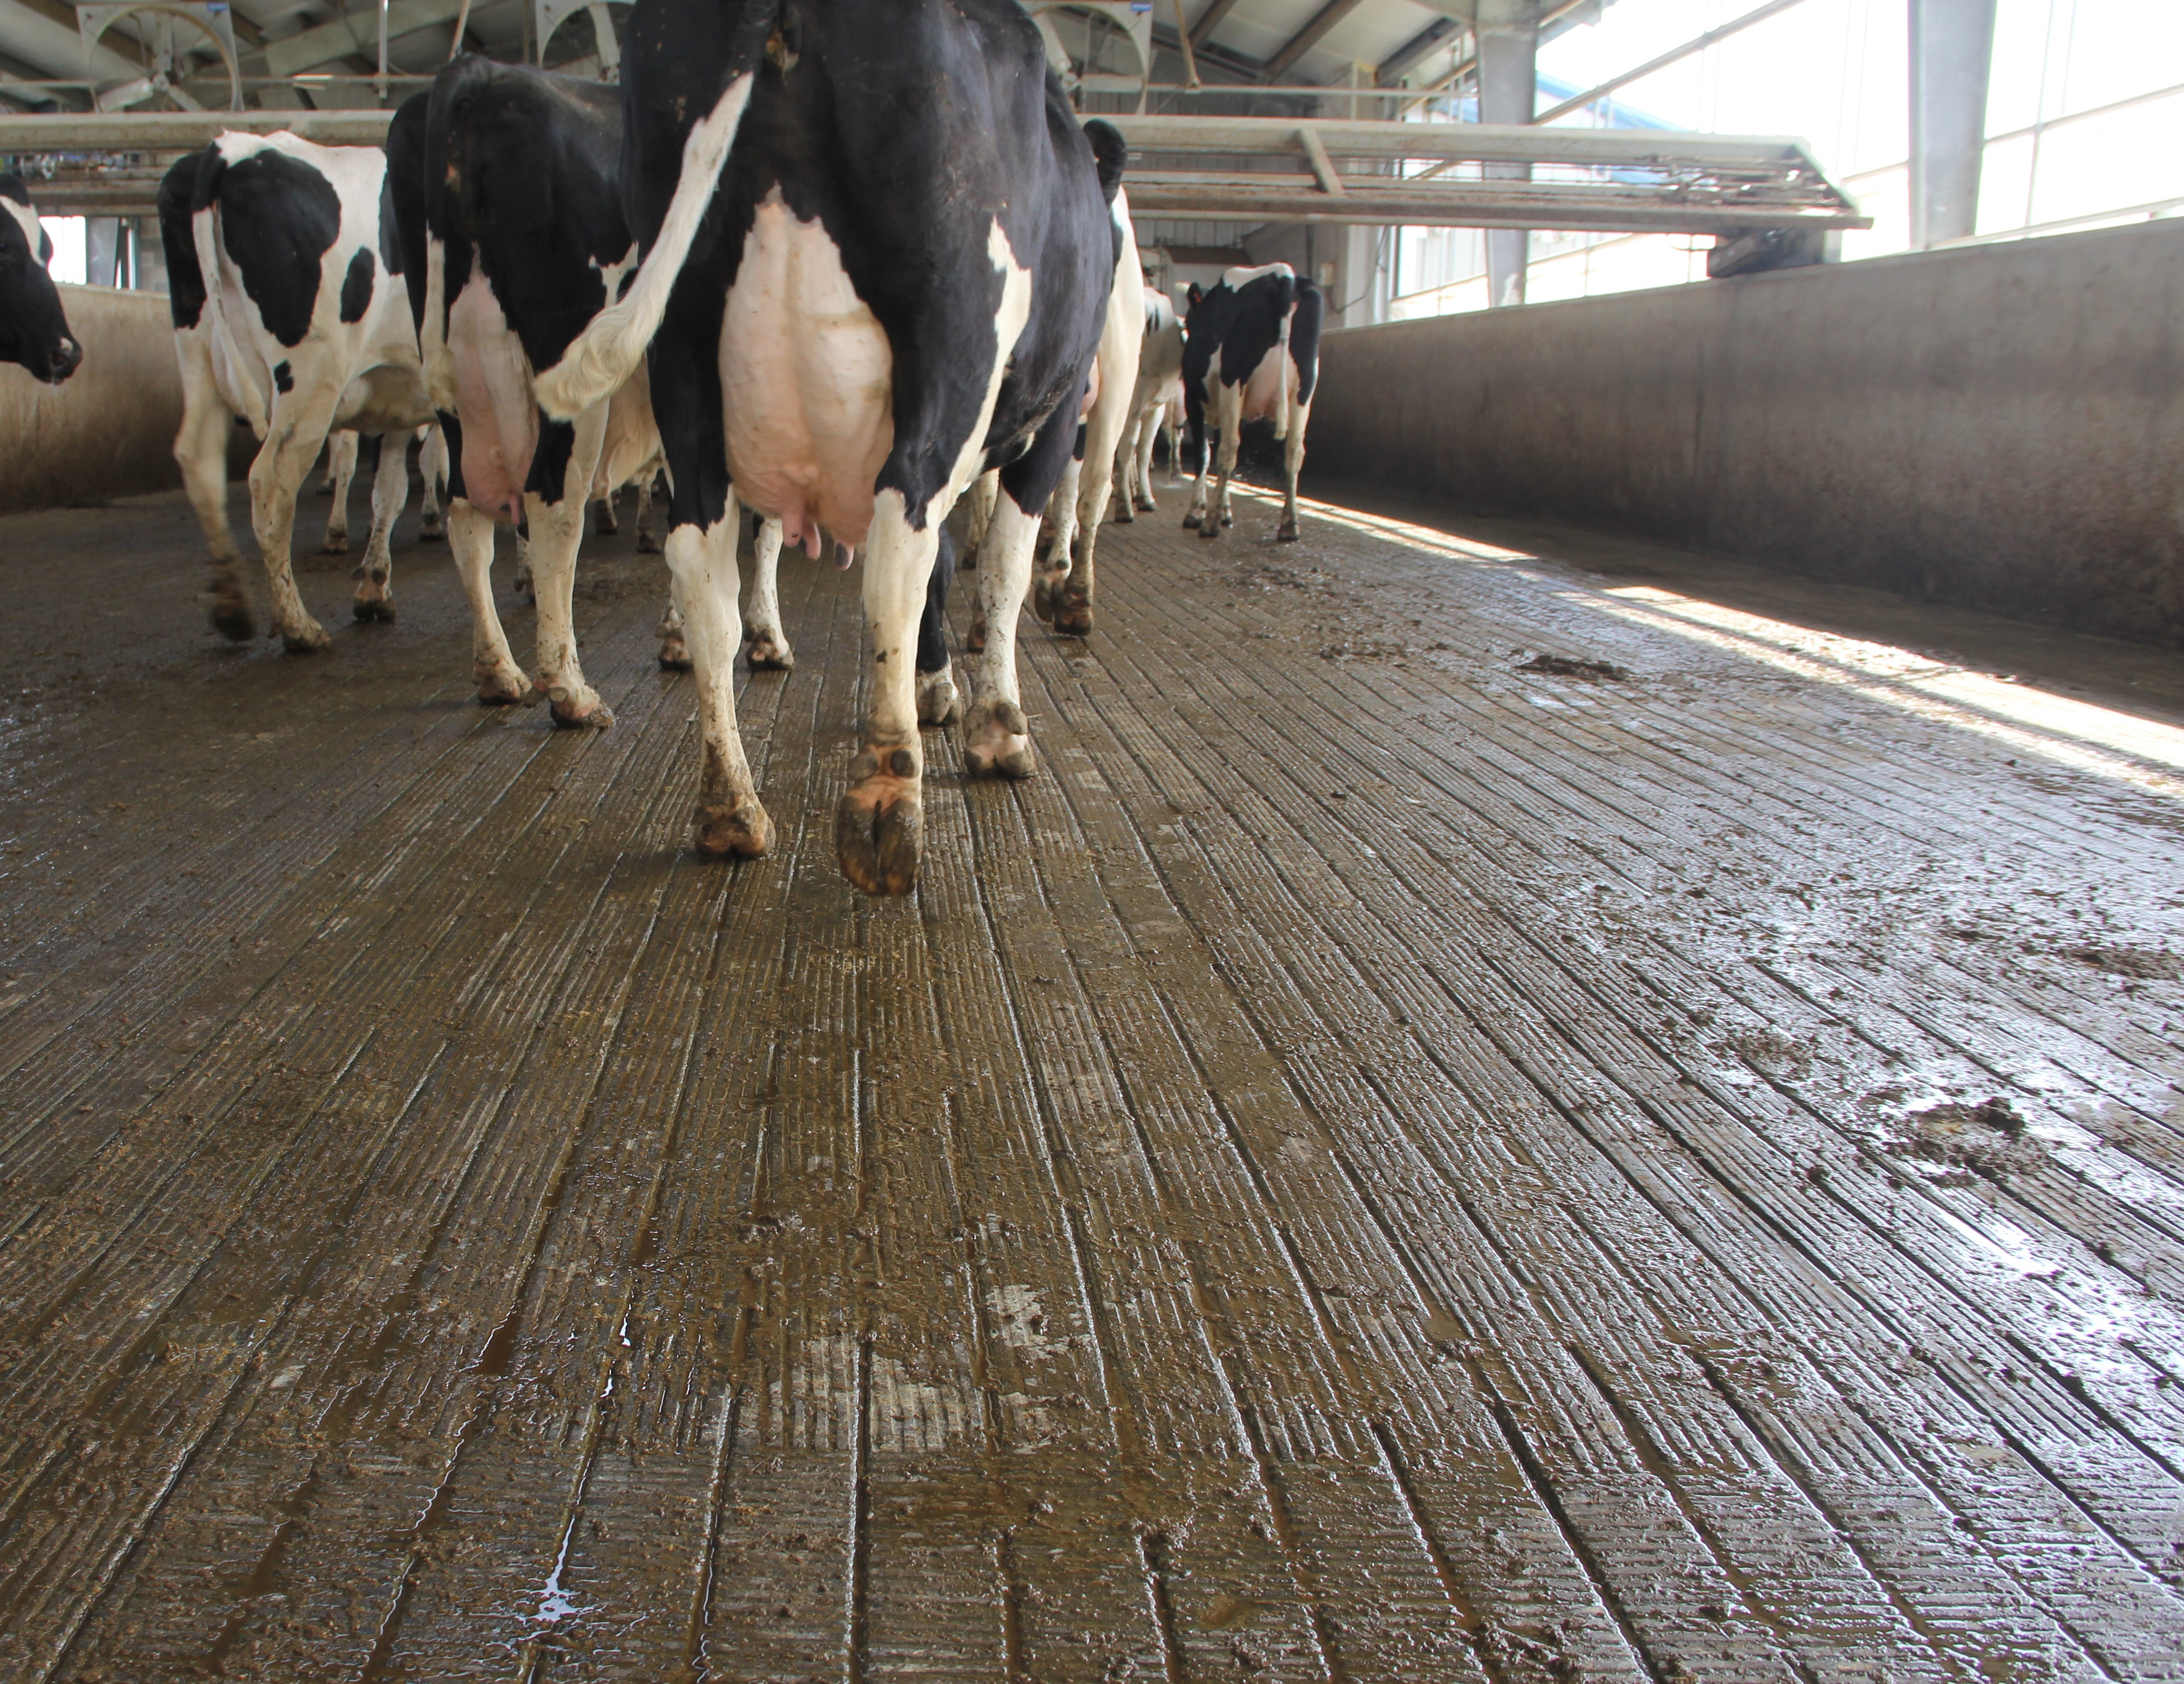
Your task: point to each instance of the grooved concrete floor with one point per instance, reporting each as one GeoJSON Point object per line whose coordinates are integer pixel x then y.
{"type": "Point", "coordinates": [1484, 1117]}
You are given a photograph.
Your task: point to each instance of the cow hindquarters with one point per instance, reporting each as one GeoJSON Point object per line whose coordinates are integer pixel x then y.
{"type": "Point", "coordinates": [201, 452]}
{"type": "Point", "coordinates": [702, 560]}
{"type": "Point", "coordinates": [500, 680]}
{"type": "Point", "coordinates": [390, 490]}
{"type": "Point", "coordinates": [557, 531]}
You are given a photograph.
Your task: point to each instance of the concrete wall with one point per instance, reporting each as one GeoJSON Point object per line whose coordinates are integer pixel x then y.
{"type": "Point", "coordinates": [2002, 426]}
{"type": "Point", "coordinates": [109, 431]}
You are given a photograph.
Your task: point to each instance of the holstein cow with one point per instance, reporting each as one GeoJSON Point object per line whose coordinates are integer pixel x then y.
{"type": "Point", "coordinates": [33, 331]}
{"type": "Point", "coordinates": [283, 268]}
{"type": "Point", "coordinates": [506, 180]}
{"type": "Point", "coordinates": [343, 450]}
{"type": "Point", "coordinates": [900, 283]}
{"type": "Point", "coordinates": [1064, 590]}
{"type": "Point", "coordinates": [1160, 368]}
{"type": "Point", "coordinates": [1264, 326]}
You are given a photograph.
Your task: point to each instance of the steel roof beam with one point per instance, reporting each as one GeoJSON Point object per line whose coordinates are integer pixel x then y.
{"type": "Point", "coordinates": [1316, 29]}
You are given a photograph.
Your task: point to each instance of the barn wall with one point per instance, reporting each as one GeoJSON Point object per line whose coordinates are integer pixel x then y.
{"type": "Point", "coordinates": [109, 431]}
{"type": "Point", "coordinates": [2001, 425]}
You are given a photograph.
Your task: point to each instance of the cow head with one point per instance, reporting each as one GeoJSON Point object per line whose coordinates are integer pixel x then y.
{"type": "Point", "coordinates": [33, 331]}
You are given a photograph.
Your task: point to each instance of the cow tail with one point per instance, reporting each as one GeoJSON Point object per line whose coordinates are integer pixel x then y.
{"type": "Point", "coordinates": [603, 355]}
{"type": "Point", "coordinates": [205, 233]}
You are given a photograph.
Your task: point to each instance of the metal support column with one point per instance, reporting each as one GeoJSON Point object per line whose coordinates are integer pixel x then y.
{"type": "Point", "coordinates": [1508, 78]}
{"type": "Point", "coordinates": [1952, 48]}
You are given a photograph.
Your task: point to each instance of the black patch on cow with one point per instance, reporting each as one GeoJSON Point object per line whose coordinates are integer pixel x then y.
{"type": "Point", "coordinates": [451, 429]}
{"type": "Point", "coordinates": [34, 332]}
{"type": "Point", "coordinates": [933, 623]}
{"type": "Point", "coordinates": [549, 462]}
{"type": "Point", "coordinates": [391, 251]}
{"type": "Point", "coordinates": [356, 285]}
{"type": "Point", "coordinates": [278, 217]}
{"type": "Point", "coordinates": [1304, 336]}
{"type": "Point", "coordinates": [185, 290]}
{"type": "Point", "coordinates": [282, 380]}
{"type": "Point", "coordinates": [1109, 153]}
{"type": "Point", "coordinates": [403, 199]}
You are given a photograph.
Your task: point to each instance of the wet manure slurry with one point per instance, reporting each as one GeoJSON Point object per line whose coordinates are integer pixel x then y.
{"type": "Point", "coordinates": [1505, 1107]}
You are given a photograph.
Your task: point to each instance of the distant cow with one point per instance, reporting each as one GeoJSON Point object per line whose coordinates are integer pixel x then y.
{"type": "Point", "coordinates": [342, 451]}
{"type": "Point", "coordinates": [1253, 354]}
{"type": "Point", "coordinates": [899, 281]}
{"type": "Point", "coordinates": [33, 331]}
{"type": "Point", "coordinates": [1160, 372]}
{"type": "Point", "coordinates": [284, 271]}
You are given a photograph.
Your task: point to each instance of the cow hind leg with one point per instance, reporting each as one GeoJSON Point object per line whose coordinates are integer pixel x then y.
{"type": "Point", "coordinates": [996, 736]}
{"type": "Point", "coordinates": [1125, 506]}
{"type": "Point", "coordinates": [978, 515]}
{"type": "Point", "coordinates": [432, 469]}
{"type": "Point", "coordinates": [1142, 464]}
{"type": "Point", "coordinates": [1292, 465]}
{"type": "Point", "coordinates": [1195, 518]}
{"type": "Point", "coordinates": [604, 524]}
{"type": "Point", "coordinates": [648, 534]}
{"type": "Point", "coordinates": [879, 823]}
{"type": "Point", "coordinates": [298, 427]}
{"type": "Point", "coordinates": [520, 580]}
{"type": "Point", "coordinates": [732, 822]}
{"type": "Point", "coordinates": [557, 533]}
{"type": "Point", "coordinates": [768, 643]}
{"type": "Point", "coordinates": [342, 449]}
{"type": "Point", "coordinates": [939, 702]}
{"type": "Point", "coordinates": [390, 490]}
{"type": "Point", "coordinates": [1046, 587]}
{"type": "Point", "coordinates": [201, 452]}
{"type": "Point", "coordinates": [500, 679]}
{"type": "Point", "coordinates": [674, 645]}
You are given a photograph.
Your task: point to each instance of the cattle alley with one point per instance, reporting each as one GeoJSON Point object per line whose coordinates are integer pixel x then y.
{"type": "Point", "coordinates": [1516, 1111]}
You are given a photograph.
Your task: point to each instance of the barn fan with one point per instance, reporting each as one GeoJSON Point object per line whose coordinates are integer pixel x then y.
{"type": "Point", "coordinates": [156, 30]}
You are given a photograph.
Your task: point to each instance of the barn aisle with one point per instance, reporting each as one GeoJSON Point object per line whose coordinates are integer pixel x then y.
{"type": "Point", "coordinates": [1484, 1117]}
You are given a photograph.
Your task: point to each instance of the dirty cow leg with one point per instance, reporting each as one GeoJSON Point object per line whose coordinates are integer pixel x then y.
{"type": "Point", "coordinates": [674, 647]}
{"type": "Point", "coordinates": [500, 680]}
{"type": "Point", "coordinates": [647, 538]}
{"type": "Point", "coordinates": [557, 531]}
{"type": "Point", "coordinates": [201, 449]}
{"type": "Point", "coordinates": [769, 643]}
{"type": "Point", "coordinates": [1142, 474]}
{"type": "Point", "coordinates": [938, 701]}
{"type": "Point", "coordinates": [731, 819]}
{"type": "Point", "coordinates": [520, 580]}
{"type": "Point", "coordinates": [1125, 504]}
{"type": "Point", "coordinates": [996, 739]}
{"type": "Point", "coordinates": [432, 469]}
{"type": "Point", "coordinates": [978, 515]}
{"type": "Point", "coordinates": [1292, 465]}
{"type": "Point", "coordinates": [879, 826]}
{"type": "Point", "coordinates": [390, 490]}
{"type": "Point", "coordinates": [298, 427]}
{"type": "Point", "coordinates": [1222, 514]}
{"type": "Point", "coordinates": [1195, 518]}
{"type": "Point", "coordinates": [342, 449]}
{"type": "Point", "coordinates": [1046, 586]}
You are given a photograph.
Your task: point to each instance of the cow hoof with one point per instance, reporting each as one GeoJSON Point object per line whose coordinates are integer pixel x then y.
{"type": "Point", "coordinates": [674, 653]}
{"type": "Point", "coordinates": [879, 825]}
{"type": "Point", "coordinates": [740, 830]}
{"type": "Point", "coordinates": [503, 690]}
{"type": "Point", "coordinates": [769, 651]}
{"type": "Point", "coordinates": [647, 544]}
{"type": "Point", "coordinates": [577, 710]}
{"type": "Point", "coordinates": [310, 639]}
{"type": "Point", "coordinates": [1209, 531]}
{"type": "Point", "coordinates": [335, 543]}
{"type": "Point", "coordinates": [1286, 532]}
{"type": "Point", "coordinates": [1123, 514]}
{"type": "Point", "coordinates": [938, 701]}
{"type": "Point", "coordinates": [997, 741]}
{"type": "Point", "coordinates": [1046, 594]}
{"type": "Point", "coordinates": [604, 524]}
{"type": "Point", "coordinates": [1190, 522]}
{"type": "Point", "coordinates": [1073, 616]}
{"type": "Point", "coordinates": [230, 618]}
{"type": "Point", "coordinates": [1147, 506]}
{"type": "Point", "coordinates": [379, 610]}
{"type": "Point", "coordinates": [430, 531]}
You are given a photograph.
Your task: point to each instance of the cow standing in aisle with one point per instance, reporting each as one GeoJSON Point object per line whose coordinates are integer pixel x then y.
{"type": "Point", "coordinates": [506, 178]}
{"type": "Point", "coordinates": [1252, 354]}
{"type": "Point", "coordinates": [34, 332]}
{"type": "Point", "coordinates": [285, 276]}
{"type": "Point", "coordinates": [1160, 372]}
{"type": "Point", "coordinates": [879, 252]}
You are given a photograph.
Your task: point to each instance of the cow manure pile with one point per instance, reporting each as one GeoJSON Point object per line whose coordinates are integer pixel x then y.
{"type": "Point", "coordinates": [1963, 1141]}
{"type": "Point", "coordinates": [1562, 666]}
{"type": "Point", "coordinates": [2145, 964]}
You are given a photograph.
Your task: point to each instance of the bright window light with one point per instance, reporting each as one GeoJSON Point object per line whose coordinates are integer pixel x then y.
{"type": "Point", "coordinates": [70, 261]}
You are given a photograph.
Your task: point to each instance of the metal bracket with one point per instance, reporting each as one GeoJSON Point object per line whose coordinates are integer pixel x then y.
{"type": "Point", "coordinates": [210, 18]}
{"type": "Point", "coordinates": [548, 15]}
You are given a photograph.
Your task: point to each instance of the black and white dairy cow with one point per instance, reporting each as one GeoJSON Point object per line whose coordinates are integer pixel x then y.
{"type": "Point", "coordinates": [1159, 374]}
{"type": "Point", "coordinates": [899, 281]}
{"type": "Point", "coordinates": [284, 273]}
{"type": "Point", "coordinates": [1253, 354]}
{"type": "Point", "coordinates": [34, 333]}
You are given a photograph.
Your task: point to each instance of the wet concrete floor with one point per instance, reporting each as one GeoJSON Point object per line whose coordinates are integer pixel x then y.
{"type": "Point", "coordinates": [1525, 1110]}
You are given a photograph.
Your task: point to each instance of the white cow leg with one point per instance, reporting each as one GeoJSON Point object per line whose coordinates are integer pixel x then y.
{"type": "Point", "coordinates": [390, 490]}
{"type": "Point", "coordinates": [604, 524]}
{"type": "Point", "coordinates": [879, 825]}
{"type": "Point", "coordinates": [200, 451]}
{"type": "Point", "coordinates": [647, 536]}
{"type": "Point", "coordinates": [1046, 587]}
{"type": "Point", "coordinates": [702, 560]}
{"type": "Point", "coordinates": [557, 530]}
{"type": "Point", "coordinates": [978, 516]}
{"type": "Point", "coordinates": [768, 643]}
{"type": "Point", "coordinates": [500, 680]}
{"type": "Point", "coordinates": [432, 469]}
{"type": "Point", "coordinates": [1292, 465]}
{"type": "Point", "coordinates": [292, 445]}
{"type": "Point", "coordinates": [1195, 518]}
{"type": "Point", "coordinates": [996, 737]}
{"type": "Point", "coordinates": [1149, 431]}
{"type": "Point", "coordinates": [1232, 429]}
{"type": "Point", "coordinates": [520, 580]}
{"type": "Point", "coordinates": [1126, 508]}
{"type": "Point", "coordinates": [341, 474]}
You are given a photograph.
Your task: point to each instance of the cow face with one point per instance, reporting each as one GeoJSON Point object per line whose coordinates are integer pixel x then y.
{"type": "Point", "coordinates": [33, 331]}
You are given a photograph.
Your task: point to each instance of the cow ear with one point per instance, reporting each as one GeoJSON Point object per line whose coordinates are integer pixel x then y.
{"type": "Point", "coordinates": [1109, 151]}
